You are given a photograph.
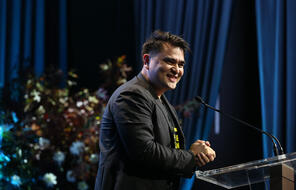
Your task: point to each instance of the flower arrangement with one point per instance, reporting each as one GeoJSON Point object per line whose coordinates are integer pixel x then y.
{"type": "Point", "coordinates": [49, 138]}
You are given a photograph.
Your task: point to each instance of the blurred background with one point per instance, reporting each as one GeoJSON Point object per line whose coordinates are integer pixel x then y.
{"type": "Point", "coordinates": [60, 60]}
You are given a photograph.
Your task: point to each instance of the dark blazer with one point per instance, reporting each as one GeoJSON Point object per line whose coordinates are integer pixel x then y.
{"type": "Point", "coordinates": [136, 146]}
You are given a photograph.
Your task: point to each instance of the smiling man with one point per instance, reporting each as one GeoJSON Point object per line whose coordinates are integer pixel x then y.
{"type": "Point", "coordinates": [164, 69]}
{"type": "Point", "coordinates": [141, 141]}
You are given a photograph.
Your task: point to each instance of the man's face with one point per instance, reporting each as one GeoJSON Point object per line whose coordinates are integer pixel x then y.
{"type": "Point", "coordinates": [165, 68]}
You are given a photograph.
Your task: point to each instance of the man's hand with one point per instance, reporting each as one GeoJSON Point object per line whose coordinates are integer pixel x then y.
{"type": "Point", "coordinates": [203, 152]}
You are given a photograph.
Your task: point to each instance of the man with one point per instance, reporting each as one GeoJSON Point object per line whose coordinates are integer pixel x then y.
{"type": "Point", "coordinates": [141, 141]}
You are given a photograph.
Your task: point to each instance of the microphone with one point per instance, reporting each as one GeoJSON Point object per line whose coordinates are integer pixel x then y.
{"type": "Point", "coordinates": [275, 148]}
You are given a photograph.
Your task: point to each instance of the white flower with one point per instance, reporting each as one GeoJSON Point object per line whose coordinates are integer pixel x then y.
{"type": "Point", "coordinates": [20, 152]}
{"type": "Point", "coordinates": [82, 186]}
{"type": "Point", "coordinates": [85, 102]}
{"type": "Point", "coordinates": [71, 83]}
{"type": "Point", "coordinates": [93, 99]}
{"type": "Point", "coordinates": [70, 176]}
{"type": "Point", "coordinates": [63, 100]}
{"type": "Point", "coordinates": [104, 67]}
{"type": "Point", "coordinates": [36, 95]}
{"type": "Point", "coordinates": [59, 157]}
{"type": "Point", "coordinates": [82, 111]}
{"type": "Point", "coordinates": [77, 148]}
{"type": "Point", "coordinates": [50, 179]}
{"type": "Point", "coordinates": [43, 143]}
{"type": "Point", "coordinates": [37, 156]}
{"type": "Point", "coordinates": [79, 104]}
{"type": "Point", "coordinates": [36, 147]}
{"type": "Point", "coordinates": [94, 158]}
{"type": "Point", "coordinates": [71, 110]}
{"type": "Point", "coordinates": [41, 110]}
{"type": "Point", "coordinates": [15, 180]}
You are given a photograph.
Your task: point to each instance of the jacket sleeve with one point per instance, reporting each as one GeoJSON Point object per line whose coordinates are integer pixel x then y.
{"type": "Point", "coordinates": [132, 113]}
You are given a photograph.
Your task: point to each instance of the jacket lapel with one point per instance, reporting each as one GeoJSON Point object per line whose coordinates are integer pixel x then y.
{"type": "Point", "coordinates": [176, 121]}
{"type": "Point", "coordinates": [159, 104]}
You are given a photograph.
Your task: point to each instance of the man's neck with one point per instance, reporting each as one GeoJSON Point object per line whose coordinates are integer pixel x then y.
{"type": "Point", "coordinates": [158, 92]}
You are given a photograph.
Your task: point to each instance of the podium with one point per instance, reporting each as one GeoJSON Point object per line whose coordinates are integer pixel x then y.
{"type": "Point", "coordinates": [278, 170]}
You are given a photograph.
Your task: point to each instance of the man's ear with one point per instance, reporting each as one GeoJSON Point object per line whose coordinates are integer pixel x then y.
{"type": "Point", "coordinates": [146, 60]}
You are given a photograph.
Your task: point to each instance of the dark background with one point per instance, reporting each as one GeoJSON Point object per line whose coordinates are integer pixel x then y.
{"type": "Point", "coordinates": [239, 96]}
{"type": "Point", "coordinates": [99, 30]}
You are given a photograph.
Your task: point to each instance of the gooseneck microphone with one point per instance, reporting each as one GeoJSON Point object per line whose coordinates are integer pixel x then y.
{"type": "Point", "coordinates": [275, 148]}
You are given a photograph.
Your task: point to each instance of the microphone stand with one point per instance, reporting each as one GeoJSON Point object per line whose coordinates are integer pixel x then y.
{"type": "Point", "coordinates": [275, 148]}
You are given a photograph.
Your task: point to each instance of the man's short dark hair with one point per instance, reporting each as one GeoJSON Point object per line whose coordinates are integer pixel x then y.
{"type": "Point", "coordinates": [154, 44]}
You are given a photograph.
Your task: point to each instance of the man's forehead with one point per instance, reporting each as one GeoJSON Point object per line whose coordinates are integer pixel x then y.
{"type": "Point", "coordinates": [168, 48]}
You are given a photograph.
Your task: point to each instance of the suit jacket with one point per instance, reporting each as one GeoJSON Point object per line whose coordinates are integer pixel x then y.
{"type": "Point", "coordinates": [136, 146]}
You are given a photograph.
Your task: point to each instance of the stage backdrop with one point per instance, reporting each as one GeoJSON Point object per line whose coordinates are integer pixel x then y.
{"type": "Point", "coordinates": [32, 34]}
{"type": "Point", "coordinates": [276, 29]}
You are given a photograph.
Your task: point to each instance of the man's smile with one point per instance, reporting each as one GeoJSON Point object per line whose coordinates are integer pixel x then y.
{"type": "Point", "coordinates": [172, 78]}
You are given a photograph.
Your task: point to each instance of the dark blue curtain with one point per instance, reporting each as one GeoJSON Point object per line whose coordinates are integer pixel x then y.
{"type": "Point", "coordinates": [276, 29]}
{"type": "Point", "coordinates": [25, 36]}
{"type": "Point", "coordinates": [204, 24]}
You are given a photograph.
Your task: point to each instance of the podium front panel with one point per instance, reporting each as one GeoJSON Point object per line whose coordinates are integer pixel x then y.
{"type": "Point", "coordinates": [246, 173]}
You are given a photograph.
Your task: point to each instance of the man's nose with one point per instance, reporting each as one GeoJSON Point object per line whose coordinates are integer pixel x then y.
{"type": "Point", "coordinates": [176, 69]}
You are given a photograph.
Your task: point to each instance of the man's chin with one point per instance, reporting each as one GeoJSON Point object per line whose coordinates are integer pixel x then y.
{"type": "Point", "coordinates": [172, 86]}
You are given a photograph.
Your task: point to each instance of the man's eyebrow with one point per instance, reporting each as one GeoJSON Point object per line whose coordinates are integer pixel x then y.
{"type": "Point", "coordinates": [169, 59]}
{"type": "Point", "coordinates": [172, 60]}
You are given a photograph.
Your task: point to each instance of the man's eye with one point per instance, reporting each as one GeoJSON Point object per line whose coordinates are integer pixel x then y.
{"type": "Point", "coordinates": [169, 61]}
